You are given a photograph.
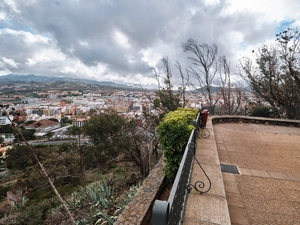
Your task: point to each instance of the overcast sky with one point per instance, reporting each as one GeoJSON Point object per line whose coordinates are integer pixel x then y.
{"type": "Point", "coordinates": [120, 41]}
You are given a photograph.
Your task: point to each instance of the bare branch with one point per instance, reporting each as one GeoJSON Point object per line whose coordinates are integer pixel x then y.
{"type": "Point", "coordinates": [44, 172]}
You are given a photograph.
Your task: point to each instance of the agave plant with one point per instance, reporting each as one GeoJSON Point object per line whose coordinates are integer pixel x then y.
{"type": "Point", "coordinates": [105, 219]}
{"type": "Point", "coordinates": [100, 198]}
{"type": "Point", "coordinates": [100, 193]}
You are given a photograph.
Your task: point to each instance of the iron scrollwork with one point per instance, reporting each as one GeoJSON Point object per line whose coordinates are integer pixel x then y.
{"type": "Point", "coordinates": [199, 185]}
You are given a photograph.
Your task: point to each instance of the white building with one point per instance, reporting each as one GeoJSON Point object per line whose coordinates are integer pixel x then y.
{"type": "Point", "coordinates": [8, 137]}
{"type": "Point", "coordinates": [4, 120]}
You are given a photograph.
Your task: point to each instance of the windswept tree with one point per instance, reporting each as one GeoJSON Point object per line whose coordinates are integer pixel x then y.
{"type": "Point", "coordinates": [274, 75]}
{"type": "Point", "coordinates": [205, 67]}
{"type": "Point", "coordinates": [168, 97]}
{"type": "Point", "coordinates": [184, 83]}
{"type": "Point", "coordinates": [231, 94]}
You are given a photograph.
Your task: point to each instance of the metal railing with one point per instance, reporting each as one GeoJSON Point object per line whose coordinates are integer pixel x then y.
{"type": "Point", "coordinates": [171, 212]}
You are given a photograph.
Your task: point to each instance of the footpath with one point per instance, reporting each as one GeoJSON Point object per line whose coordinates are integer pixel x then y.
{"type": "Point", "coordinates": [211, 207]}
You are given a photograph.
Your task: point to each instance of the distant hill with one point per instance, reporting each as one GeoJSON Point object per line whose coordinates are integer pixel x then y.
{"type": "Point", "coordinates": [41, 79]}
{"type": "Point", "coordinates": [212, 89]}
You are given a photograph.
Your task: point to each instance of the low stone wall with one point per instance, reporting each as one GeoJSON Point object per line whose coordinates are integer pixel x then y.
{"type": "Point", "coordinates": [138, 211]}
{"type": "Point", "coordinates": [250, 119]}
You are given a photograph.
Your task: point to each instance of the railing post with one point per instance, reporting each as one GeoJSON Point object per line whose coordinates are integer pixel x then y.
{"type": "Point", "coordinates": [160, 213]}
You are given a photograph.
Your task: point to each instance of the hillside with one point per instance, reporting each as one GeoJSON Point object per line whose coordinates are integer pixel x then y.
{"type": "Point", "coordinates": [43, 79]}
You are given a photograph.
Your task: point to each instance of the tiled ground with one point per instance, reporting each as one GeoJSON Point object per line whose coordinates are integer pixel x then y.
{"type": "Point", "coordinates": [268, 157]}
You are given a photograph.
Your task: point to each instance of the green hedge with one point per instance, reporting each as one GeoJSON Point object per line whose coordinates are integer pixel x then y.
{"type": "Point", "coordinates": [173, 133]}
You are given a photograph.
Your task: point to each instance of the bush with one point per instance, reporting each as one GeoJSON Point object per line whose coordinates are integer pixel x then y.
{"type": "Point", "coordinates": [173, 133]}
{"type": "Point", "coordinates": [264, 111]}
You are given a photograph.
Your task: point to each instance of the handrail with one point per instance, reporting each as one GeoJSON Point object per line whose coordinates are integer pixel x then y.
{"type": "Point", "coordinates": [171, 212]}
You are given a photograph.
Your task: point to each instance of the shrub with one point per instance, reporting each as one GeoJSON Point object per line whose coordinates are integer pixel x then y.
{"type": "Point", "coordinates": [173, 133]}
{"type": "Point", "coordinates": [104, 207]}
{"type": "Point", "coordinates": [264, 111]}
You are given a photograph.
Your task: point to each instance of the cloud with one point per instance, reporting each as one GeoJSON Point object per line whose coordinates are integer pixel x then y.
{"type": "Point", "coordinates": [122, 40]}
{"type": "Point", "coordinates": [10, 62]}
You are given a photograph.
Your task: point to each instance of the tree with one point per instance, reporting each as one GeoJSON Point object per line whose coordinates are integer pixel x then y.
{"type": "Point", "coordinates": [205, 67]}
{"type": "Point", "coordinates": [168, 98]}
{"type": "Point", "coordinates": [184, 82]}
{"type": "Point", "coordinates": [148, 140]}
{"type": "Point", "coordinates": [49, 134]}
{"type": "Point", "coordinates": [103, 128]}
{"type": "Point", "coordinates": [28, 134]}
{"type": "Point", "coordinates": [6, 129]}
{"type": "Point", "coordinates": [156, 102]}
{"type": "Point", "coordinates": [65, 120]}
{"type": "Point", "coordinates": [112, 135]}
{"type": "Point", "coordinates": [75, 131]}
{"type": "Point", "coordinates": [92, 111]}
{"type": "Point", "coordinates": [274, 76]}
{"type": "Point", "coordinates": [231, 95]}
{"type": "Point", "coordinates": [19, 132]}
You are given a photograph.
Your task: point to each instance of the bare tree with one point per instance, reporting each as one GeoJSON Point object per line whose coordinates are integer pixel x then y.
{"type": "Point", "coordinates": [157, 76]}
{"type": "Point", "coordinates": [184, 82]}
{"type": "Point", "coordinates": [205, 67]}
{"type": "Point", "coordinates": [230, 93]}
{"type": "Point", "coordinates": [168, 98]}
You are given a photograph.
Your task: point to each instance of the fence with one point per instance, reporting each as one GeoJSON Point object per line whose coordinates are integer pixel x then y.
{"type": "Point", "coordinates": [171, 212]}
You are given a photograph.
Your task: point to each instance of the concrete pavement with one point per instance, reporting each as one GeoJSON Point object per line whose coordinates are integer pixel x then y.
{"type": "Point", "coordinates": [211, 207]}
{"type": "Point", "coordinates": [268, 157]}
{"type": "Point", "coordinates": [267, 190]}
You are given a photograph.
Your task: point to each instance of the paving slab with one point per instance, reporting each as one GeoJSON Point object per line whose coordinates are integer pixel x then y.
{"type": "Point", "coordinates": [228, 177]}
{"type": "Point", "coordinates": [207, 208]}
{"type": "Point", "coordinates": [234, 199]}
{"type": "Point", "coordinates": [294, 176]}
{"type": "Point", "coordinates": [231, 187]}
{"type": "Point", "coordinates": [259, 173]}
{"type": "Point", "coordinates": [238, 215]}
{"type": "Point", "coordinates": [245, 171]}
{"type": "Point", "coordinates": [278, 175]}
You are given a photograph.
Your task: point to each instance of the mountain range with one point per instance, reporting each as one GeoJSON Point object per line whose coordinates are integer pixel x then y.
{"type": "Point", "coordinates": [38, 78]}
{"type": "Point", "coordinates": [47, 79]}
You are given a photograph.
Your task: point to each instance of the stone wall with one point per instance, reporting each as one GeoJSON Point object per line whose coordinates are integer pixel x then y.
{"type": "Point", "coordinates": [250, 119]}
{"type": "Point", "coordinates": [138, 211]}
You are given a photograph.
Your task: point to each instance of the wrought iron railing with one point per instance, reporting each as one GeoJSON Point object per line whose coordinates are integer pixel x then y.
{"type": "Point", "coordinates": [171, 212]}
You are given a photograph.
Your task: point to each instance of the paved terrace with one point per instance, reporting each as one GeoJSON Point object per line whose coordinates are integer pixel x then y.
{"type": "Point", "coordinates": [267, 190]}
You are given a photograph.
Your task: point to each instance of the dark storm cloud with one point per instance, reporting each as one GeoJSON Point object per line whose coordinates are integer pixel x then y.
{"type": "Point", "coordinates": [94, 22]}
{"type": "Point", "coordinates": [123, 38]}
